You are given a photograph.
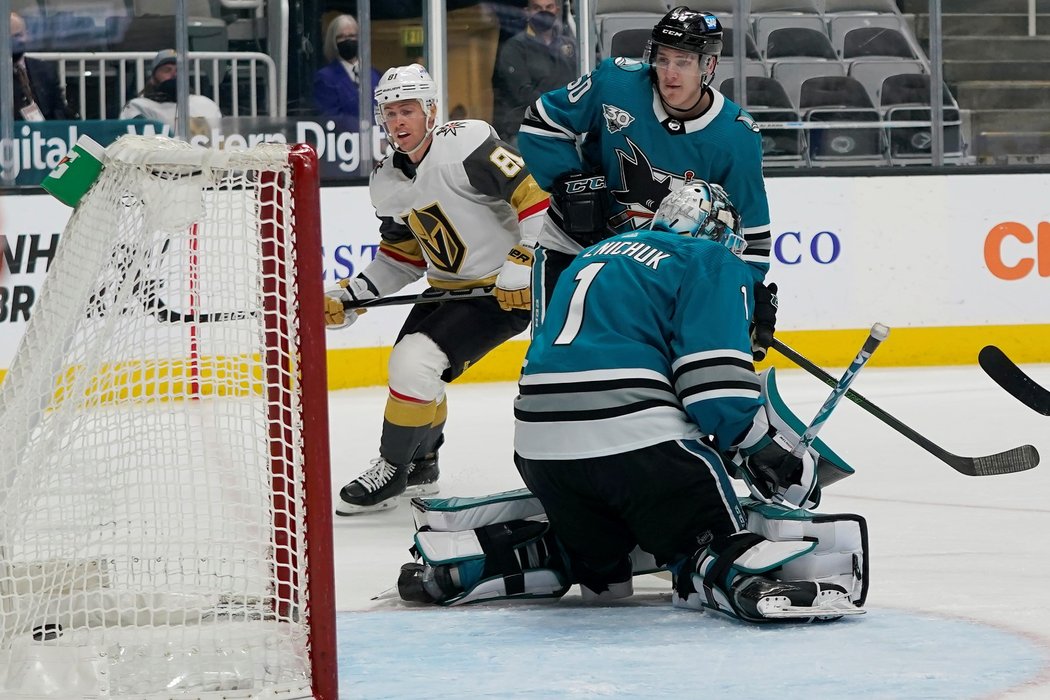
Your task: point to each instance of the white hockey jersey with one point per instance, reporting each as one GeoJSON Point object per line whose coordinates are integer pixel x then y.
{"type": "Point", "coordinates": [460, 210]}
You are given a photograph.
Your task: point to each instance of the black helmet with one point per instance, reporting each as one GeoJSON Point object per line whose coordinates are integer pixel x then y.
{"type": "Point", "coordinates": [685, 30]}
{"type": "Point", "coordinates": [693, 32]}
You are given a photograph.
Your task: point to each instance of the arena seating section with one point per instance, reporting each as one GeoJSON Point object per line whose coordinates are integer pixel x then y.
{"type": "Point", "coordinates": [851, 62]}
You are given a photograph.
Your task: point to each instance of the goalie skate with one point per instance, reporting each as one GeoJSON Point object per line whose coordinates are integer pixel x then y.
{"type": "Point", "coordinates": [786, 600]}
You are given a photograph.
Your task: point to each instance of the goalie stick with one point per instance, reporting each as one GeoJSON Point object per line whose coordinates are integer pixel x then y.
{"type": "Point", "coordinates": [1017, 459]}
{"type": "Point", "coordinates": [875, 337]}
{"type": "Point", "coordinates": [1012, 378]}
{"type": "Point", "coordinates": [427, 296]}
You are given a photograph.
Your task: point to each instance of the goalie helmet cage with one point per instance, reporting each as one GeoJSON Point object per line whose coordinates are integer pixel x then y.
{"type": "Point", "coordinates": [165, 505]}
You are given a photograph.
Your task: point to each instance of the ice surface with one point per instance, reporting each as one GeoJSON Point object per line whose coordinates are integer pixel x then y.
{"type": "Point", "coordinates": [958, 604]}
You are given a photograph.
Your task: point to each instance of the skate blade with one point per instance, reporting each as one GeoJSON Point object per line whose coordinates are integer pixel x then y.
{"type": "Point", "coordinates": [347, 509]}
{"type": "Point", "coordinates": [422, 490]}
{"type": "Point", "coordinates": [780, 608]}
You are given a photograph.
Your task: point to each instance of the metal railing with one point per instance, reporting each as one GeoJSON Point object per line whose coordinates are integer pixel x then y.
{"type": "Point", "coordinates": [131, 73]}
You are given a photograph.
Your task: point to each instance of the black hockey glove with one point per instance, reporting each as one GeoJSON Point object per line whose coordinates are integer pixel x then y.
{"type": "Point", "coordinates": [765, 320]}
{"type": "Point", "coordinates": [579, 206]}
{"type": "Point", "coordinates": [772, 469]}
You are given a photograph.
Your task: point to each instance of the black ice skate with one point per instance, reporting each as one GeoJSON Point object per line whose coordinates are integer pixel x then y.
{"type": "Point", "coordinates": [423, 475]}
{"type": "Point", "coordinates": [377, 489]}
{"type": "Point", "coordinates": [759, 598]}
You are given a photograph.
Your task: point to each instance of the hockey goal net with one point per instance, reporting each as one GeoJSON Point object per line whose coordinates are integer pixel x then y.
{"type": "Point", "coordinates": [165, 527]}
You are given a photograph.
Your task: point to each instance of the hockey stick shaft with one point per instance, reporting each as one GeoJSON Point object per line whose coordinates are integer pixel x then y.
{"type": "Point", "coordinates": [1013, 460]}
{"type": "Point", "coordinates": [429, 296]}
{"type": "Point", "coordinates": [1012, 378]}
{"type": "Point", "coordinates": [878, 333]}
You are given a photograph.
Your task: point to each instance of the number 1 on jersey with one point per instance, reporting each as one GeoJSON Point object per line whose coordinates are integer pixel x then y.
{"type": "Point", "coordinates": [574, 314]}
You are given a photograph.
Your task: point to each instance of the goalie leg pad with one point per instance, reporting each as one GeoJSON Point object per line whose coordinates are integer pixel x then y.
{"type": "Point", "coordinates": [454, 514]}
{"type": "Point", "coordinates": [840, 556]}
{"type": "Point", "coordinates": [738, 576]}
{"type": "Point", "coordinates": [508, 560]}
{"type": "Point", "coordinates": [426, 583]}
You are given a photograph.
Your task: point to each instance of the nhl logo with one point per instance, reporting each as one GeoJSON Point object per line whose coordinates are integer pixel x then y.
{"type": "Point", "coordinates": [616, 119]}
{"type": "Point", "coordinates": [674, 125]}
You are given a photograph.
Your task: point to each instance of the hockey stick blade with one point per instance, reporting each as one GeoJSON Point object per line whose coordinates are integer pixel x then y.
{"type": "Point", "coordinates": [1018, 459]}
{"type": "Point", "coordinates": [428, 296]}
{"type": "Point", "coordinates": [1013, 380]}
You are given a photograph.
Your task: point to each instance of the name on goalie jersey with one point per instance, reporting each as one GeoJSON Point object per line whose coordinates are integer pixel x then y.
{"type": "Point", "coordinates": [639, 252]}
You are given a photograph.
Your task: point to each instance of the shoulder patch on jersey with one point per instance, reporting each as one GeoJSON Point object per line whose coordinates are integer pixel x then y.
{"type": "Point", "coordinates": [628, 64]}
{"type": "Point", "coordinates": [450, 128]}
{"type": "Point", "coordinates": [616, 118]}
{"type": "Point", "coordinates": [747, 120]}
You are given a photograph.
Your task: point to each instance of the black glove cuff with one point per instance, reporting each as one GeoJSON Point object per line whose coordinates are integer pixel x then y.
{"type": "Point", "coordinates": [579, 207]}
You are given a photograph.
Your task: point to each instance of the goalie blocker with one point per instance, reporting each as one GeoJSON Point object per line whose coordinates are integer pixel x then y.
{"type": "Point", "coordinates": [790, 564]}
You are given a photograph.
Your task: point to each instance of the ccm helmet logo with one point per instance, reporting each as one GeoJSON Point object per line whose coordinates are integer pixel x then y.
{"type": "Point", "coordinates": [582, 185]}
{"type": "Point", "coordinates": [672, 32]}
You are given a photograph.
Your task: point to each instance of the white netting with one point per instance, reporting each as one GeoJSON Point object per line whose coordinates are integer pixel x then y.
{"type": "Point", "coordinates": [151, 536]}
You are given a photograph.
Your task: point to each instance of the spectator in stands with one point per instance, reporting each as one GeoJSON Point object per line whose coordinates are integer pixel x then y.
{"type": "Point", "coordinates": [337, 86]}
{"type": "Point", "coordinates": [158, 97]}
{"type": "Point", "coordinates": [539, 59]}
{"type": "Point", "coordinates": [38, 94]}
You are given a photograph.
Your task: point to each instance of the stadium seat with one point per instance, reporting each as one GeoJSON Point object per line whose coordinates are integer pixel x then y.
{"type": "Point", "coordinates": [724, 71]}
{"type": "Point", "coordinates": [814, 7]}
{"type": "Point", "coordinates": [727, 45]}
{"type": "Point", "coordinates": [765, 24]}
{"type": "Point", "coordinates": [606, 7]}
{"type": "Point", "coordinates": [906, 97]}
{"type": "Point", "coordinates": [886, 6]}
{"type": "Point", "coordinates": [630, 43]}
{"type": "Point", "coordinates": [871, 72]}
{"type": "Point", "coordinates": [207, 31]}
{"type": "Point", "coordinates": [840, 25]}
{"type": "Point", "coordinates": [767, 102]}
{"type": "Point", "coordinates": [792, 73]}
{"type": "Point", "coordinates": [610, 25]}
{"type": "Point", "coordinates": [723, 8]}
{"type": "Point", "coordinates": [876, 41]}
{"type": "Point", "coordinates": [794, 42]}
{"type": "Point", "coordinates": [840, 99]}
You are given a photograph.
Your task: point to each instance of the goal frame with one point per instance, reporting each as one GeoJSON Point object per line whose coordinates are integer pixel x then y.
{"type": "Point", "coordinates": [266, 593]}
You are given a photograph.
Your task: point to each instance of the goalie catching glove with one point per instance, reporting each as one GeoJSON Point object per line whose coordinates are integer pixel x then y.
{"type": "Point", "coordinates": [514, 282]}
{"type": "Point", "coordinates": [353, 290]}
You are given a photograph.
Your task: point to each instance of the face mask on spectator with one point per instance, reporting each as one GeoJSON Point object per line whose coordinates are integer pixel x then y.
{"type": "Point", "coordinates": [543, 21]}
{"type": "Point", "coordinates": [168, 88]}
{"type": "Point", "coordinates": [347, 49]}
{"type": "Point", "coordinates": [18, 49]}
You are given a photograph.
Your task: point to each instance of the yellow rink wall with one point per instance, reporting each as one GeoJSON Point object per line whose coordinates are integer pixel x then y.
{"type": "Point", "coordinates": [906, 347]}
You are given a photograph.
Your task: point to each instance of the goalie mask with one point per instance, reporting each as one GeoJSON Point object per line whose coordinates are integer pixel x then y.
{"type": "Point", "coordinates": [701, 210]}
{"type": "Point", "coordinates": [401, 83]}
{"type": "Point", "coordinates": [693, 32]}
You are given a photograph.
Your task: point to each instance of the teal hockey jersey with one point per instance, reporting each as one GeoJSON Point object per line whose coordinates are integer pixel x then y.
{"type": "Point", "coordinates": [645, 340]}
{"type": "Point", "coordinates": [645, 153]}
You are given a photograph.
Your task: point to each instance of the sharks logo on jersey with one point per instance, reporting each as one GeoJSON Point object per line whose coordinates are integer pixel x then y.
{"type": "Point", "coordinates": [616, 118]}
{"type": "Point", "coordinates": [438, 237]}
{"type": "Point", "coordinates": [644, 187]}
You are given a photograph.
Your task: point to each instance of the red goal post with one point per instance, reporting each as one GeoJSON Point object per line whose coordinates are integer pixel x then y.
{"type": "Point", "coordinates": [165, 507]}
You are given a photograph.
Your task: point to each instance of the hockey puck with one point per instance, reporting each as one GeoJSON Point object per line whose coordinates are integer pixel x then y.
{"type": "Point", "coordinates": [48, 632]}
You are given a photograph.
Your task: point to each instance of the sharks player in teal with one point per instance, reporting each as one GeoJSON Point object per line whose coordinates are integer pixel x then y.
{"type": "Point", "coordinates": [645, 350]}
{"type": "Point", "coordinates": [644, 130]}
